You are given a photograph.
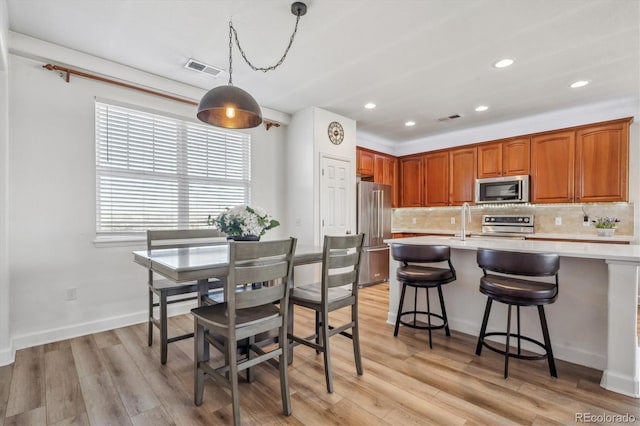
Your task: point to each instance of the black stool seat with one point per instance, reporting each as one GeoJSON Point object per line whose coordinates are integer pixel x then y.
{"type": "Point", "coordinates": [518, 291]}
{"type": "Point", "coordinates": [418, 276]}
{"type": "Point", "coordinates": [424, 276]}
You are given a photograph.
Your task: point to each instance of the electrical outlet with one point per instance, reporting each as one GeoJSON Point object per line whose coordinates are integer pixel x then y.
{"type": "Point", "coordinates": [585, 221]}
{"type": "Point", "coordinates": [71, 294]}
{"type": "Point", "coordinates": [413, 220]}
{"type": "Point", "coordinates": [558, 221]}
{"type": "Point", "coordinates": [453, 220]}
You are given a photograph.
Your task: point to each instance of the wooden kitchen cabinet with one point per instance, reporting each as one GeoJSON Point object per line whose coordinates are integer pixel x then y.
{"type": "Point", "coordinates": [436, 178]}
{"type": "Point", "coordinates": [462, 175]}
{"type": "Point", "coordinates": [364, 162]}
{"type": "Point", "coordinates": [411, 181]}
{"type": "Point", "coordinates": [602, 163]}
{"type": "Point", "coordinates": [552, 167]}
{"type": "Point", "coordinates": [507, 158]}
{"type": "Point", "coordinates": [383, 169]}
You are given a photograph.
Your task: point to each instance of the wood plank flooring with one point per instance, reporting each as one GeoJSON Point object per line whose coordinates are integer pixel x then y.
{"type": "Point", "coordinates": [115, 378]}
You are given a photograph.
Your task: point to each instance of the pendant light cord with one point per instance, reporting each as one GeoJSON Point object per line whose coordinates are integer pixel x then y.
{"type": "Point", "coordinates": [234, 34]}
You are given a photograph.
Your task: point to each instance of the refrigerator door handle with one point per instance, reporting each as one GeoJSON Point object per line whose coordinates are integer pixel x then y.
{"type": "Point", "coordinates": [380, 211]}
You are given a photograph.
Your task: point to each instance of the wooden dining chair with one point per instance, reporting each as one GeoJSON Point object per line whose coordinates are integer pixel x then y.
{"type": "Point", "coordinates": [166, 290]}
{"type": "Point", "coordinates": [247, 312]}
{"type": "Point", "coordinates": [338, 289]}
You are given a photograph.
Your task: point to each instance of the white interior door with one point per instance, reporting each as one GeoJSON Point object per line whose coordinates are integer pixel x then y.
{"type": "Point", "coordinates": [337, 196]}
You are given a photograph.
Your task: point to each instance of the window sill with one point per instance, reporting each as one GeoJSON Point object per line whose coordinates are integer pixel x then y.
{"type": "Point", "coordinates": [120, 241]}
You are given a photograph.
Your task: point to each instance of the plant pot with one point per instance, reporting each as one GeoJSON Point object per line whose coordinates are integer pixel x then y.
{"type": "Point", "coordinates": [243, 237]}
{"type": "Point", "coordinates": [605, 232]}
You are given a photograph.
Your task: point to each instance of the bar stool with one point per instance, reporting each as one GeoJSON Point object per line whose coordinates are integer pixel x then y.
{"type": "Point", "coordinates": [423, 276]}
{"type": "Point", "coordinates": [519, 292]}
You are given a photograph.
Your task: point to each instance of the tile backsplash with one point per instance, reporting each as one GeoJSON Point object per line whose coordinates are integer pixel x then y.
{"type": "Point", "coordinates": [439, 218]}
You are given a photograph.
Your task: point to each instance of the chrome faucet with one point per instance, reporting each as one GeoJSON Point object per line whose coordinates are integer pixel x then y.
{"type": "Point", "coordinates": [463, 222]}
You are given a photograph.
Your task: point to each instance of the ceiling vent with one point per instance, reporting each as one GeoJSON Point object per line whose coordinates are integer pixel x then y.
{"type": "Point", "coordinates": [451, 117]}
{"type": "Point", "coordinates": [199, 66]}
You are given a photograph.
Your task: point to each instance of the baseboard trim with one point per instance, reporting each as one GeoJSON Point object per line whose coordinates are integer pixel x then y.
{"type": "Point", "coordinates": [43, 337]}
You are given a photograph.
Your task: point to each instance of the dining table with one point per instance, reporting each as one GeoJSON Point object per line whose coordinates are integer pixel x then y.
{"type": "Point", "coordinates": [202, 263]}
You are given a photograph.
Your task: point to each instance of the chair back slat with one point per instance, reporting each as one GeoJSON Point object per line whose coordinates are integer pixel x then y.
{"type": "Point", "coordinates": [260, 272]}
{"type": "Point", "coordinates": [343, 259]}
{"type": "Point", "coordinates": [268, 293]}
{"type": "Point", "coordinates": [179, 238]}
{"type": "Point", "coordinates": [341, 279]}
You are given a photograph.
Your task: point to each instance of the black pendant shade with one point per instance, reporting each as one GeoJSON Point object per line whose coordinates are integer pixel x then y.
{"type": "Point", "coordinates": [229, 107]}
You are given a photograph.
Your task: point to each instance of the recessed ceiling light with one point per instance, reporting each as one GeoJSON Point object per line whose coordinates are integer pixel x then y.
{"type": "Point", "coordinates": [481, 108]}
{"type": "Point", "coordinates": [579, 83]}
{"type": "Point", "coordinates": [370, 105]}
{"type": "Point", "coordinates": [410, 123]}
{"type": "Point", "coordinates": [503, 63]}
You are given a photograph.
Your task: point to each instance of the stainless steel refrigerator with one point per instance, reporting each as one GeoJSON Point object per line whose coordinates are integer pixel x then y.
{"type": "Point", "coordinates": [374, 219]}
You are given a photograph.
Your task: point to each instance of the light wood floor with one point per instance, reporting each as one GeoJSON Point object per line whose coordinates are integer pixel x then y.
{"type": "Point", "coordinates": [114, 378]}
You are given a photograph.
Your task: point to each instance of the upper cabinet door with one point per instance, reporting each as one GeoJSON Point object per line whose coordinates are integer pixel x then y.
{"type": "Point", "coordinates": [552, 167]}
{"type": "Point", "coordinates": [515, 157]}
{"type": "Point", "coordinates": [490, 160]}
{"type": "Point", "coordinates": [364, 162]}
{"type": "Point", "coordinates": [462, 175]}
{"type": "Point", "coordinates": [411, 181]}
{"type": "Point", "coordinates": [602, 163]}
{"type": "Point", "coordinates": [436, 176]}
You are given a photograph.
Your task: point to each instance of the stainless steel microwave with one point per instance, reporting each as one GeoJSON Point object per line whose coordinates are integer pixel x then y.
{"type": "Point", "coordinates": [508, 189]}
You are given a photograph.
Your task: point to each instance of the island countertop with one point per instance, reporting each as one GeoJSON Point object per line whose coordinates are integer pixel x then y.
{"type": "Point", "coordinates": [626, 252]}
{"type": "Point", "coordinates": [594, 320]}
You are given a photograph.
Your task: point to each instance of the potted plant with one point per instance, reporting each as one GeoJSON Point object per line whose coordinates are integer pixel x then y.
{"type": "Point", "coordinates": [606, 226]}
{"type": "Point", "coordinates": [243, 223]}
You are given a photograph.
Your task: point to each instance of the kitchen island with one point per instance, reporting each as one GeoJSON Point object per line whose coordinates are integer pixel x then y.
{"type": "Point", "coordinates": [593, 322]}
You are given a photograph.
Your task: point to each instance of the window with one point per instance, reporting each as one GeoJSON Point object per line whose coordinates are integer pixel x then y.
{"type": "Point", "coordinates": [161, 172]}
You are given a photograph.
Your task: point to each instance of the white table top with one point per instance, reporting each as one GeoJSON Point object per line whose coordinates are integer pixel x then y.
{"type": "Point", "coordinates": [195, 263]}
{"type": "Point", "coordinates": [620, 252]}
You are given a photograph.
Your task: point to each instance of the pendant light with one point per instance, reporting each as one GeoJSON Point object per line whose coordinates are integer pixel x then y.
{"type": "Point", "coordinates": [230, 106]}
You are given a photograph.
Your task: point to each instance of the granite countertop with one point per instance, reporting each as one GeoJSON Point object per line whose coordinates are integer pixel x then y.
{"type": "Point", "coordinates": [621, 252]}
{"type": "Point", "coordinates": [541, 236]}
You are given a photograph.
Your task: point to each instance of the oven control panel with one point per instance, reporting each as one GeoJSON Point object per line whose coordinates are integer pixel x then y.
{"type": "Point", "coordinates": [513, 224]}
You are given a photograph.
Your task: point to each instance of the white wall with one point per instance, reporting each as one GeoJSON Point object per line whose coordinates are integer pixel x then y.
{"type": "Point", "coordinates": [5, 350]}
{"type": "Point", "coordinates": [51, 205]}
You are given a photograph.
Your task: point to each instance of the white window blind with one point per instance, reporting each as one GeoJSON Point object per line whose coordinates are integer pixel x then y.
{"type": "Point", "coordinates": [160, 172]}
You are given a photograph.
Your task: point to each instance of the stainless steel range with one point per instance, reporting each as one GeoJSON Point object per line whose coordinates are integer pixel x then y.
{"type": "Point", "coordinates": [507, 225]}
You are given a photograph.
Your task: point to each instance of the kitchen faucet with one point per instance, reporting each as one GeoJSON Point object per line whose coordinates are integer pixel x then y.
{"type": "Point", "coordinates": [463, 227]}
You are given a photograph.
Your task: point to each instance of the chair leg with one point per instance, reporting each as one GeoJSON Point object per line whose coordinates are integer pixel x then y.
{"type": "Point", "coordinates": [318, 335]}
{"type": "Point", "coordinates": [444, 312]}
{"type": "Point", "coordinates": [483, 328]}
{"type": "Point", "coordinates": [250, 371]}
{"type": "Point", "coordinates": [325, 346]}
{"type": "Point", "coordinates": [232, 354]}
{"type": "Point", "coordinates": [506, 349]}
{"type": "Point", "coordinates": [283, 367]}
{"type": "Point", "coordinates": [163, 328]}
{"type": "Point", "coordinates": [426, 290]}
{"type": "Point", "coordinates": [200, 356]}
{"type": "Point", "coordinates": [547, 341]}
{"type": "Point", "coordinates": [355, 336]}
{"type": "Point", "coordinates": [150, 320]}
{"type": "Point", "coordinates": [519, 344]}
{"type": "Point", "coordinates": [399, 312]}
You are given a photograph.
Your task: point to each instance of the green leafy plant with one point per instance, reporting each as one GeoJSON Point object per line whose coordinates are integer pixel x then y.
{"type": "Point", "coordinates": [243, 220]}
{"type": "Point", "coordinates": [606, 222]}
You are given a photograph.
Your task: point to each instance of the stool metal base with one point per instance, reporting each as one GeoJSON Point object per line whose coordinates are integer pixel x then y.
{"type": "Point", "coordinates": [548, 353]}
{"type": "Point", "coordinates": [428, 313]}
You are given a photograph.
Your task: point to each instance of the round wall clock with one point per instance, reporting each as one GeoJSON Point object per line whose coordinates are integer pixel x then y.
{"type": "Point", "coordinates": [336, 133]}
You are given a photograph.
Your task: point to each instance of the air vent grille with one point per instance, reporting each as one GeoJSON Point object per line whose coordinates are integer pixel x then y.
{"type": "Point", "coordinates": [199, 66]}
{"type": "Point", "coordinates": [450, 117]}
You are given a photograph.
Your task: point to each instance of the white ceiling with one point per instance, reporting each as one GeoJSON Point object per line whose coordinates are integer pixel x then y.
{"type": "Point", "coordinates": [416, 59]}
